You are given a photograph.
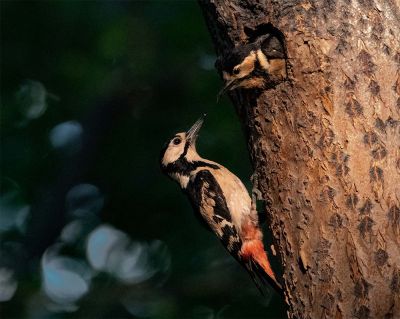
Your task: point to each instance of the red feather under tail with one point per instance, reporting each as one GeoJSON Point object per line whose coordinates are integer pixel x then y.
{"type": "Point", "coordinates": [257, 264]}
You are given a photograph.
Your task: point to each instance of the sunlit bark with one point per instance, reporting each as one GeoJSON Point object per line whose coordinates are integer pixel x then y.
{"type": "Point", "coordinates": [325, 144]}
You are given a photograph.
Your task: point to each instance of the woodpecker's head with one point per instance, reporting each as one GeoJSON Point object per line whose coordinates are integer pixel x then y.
{"type": "Point", "coordinates": [237, 67]}
{"type": "Point", "coordinates": [248, 66]}
{"type": "Point", "coordinates": [181, 148]}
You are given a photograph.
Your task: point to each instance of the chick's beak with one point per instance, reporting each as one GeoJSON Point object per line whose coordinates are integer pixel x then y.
{"type": "Point", "coordinates": [229, 85]}
{"type": "Point", "coordinates": [193, 132]}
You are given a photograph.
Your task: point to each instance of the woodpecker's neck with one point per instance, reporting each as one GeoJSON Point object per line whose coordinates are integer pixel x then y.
{"type": "Point", "coordinates": [186, 165]}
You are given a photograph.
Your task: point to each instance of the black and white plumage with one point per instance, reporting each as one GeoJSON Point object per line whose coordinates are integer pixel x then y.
{"type": "Point", "coordinates": [253, 65]}
{"type": "Point", "coordinates": [220, 200]}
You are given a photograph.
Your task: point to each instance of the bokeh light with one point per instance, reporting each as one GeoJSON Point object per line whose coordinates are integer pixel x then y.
{"type": "Point", "coordinates": [8, 284]}
{"type": "Point", "coordinates": [84, 200]}
{"type": "Point", "coordinates": [65, 279]}
{"type": "Point", "coordinates": [73, 231]}
{"type": "Point", "coordinates": [14, 210]}
{"type": "Point", "coordinates": [110, 250]}
{"type": "Point", "coordinates": [67, 137]}
{"type": "Point", "coordinates": [32, 99]}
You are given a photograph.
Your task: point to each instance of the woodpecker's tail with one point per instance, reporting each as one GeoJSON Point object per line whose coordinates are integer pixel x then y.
{"type": "Point", "coordinates": [257, 264]}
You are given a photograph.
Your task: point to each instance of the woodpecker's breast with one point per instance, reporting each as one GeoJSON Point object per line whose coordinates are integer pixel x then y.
{"type": "Point", "coordinates": [236, 195]}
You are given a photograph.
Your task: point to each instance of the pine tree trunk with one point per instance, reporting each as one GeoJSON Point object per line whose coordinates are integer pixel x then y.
{"type": "Point", "coordinates": [325, 144]}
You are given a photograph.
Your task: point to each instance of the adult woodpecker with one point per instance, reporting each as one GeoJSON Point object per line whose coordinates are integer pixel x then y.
{"type": "Point", "coordinates": [221, 200]}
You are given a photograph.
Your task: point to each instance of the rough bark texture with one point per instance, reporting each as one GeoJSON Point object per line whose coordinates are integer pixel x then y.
{"type": "Point", "coordinates": [325, 144]}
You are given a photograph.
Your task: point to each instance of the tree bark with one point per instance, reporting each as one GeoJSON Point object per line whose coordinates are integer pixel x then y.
{"type": "Point", "coordinates": [325, 144]}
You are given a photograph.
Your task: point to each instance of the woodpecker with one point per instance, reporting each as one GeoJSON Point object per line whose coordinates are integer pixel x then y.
{"type": "Point", "coordinates": [254, 65]}
{"type": "Point", "coordinates": [221, 201]}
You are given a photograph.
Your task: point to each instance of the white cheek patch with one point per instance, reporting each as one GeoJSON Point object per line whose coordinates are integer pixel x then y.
{"type": "Point", "coordinates": [171, 155]}
{"type": "Point", "coordinates": [247, 66]}
{"type": "Point", "coordinates": [173, 152]}
{"type": "Point", "coordinates": [263, 60]}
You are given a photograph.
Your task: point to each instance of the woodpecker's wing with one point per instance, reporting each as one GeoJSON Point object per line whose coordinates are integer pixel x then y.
{"type": "Point", "coordinates": [209, 203]}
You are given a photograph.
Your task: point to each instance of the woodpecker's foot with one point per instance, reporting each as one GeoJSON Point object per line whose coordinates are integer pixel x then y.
{"type": "Point", "coordinates": [255, 192]}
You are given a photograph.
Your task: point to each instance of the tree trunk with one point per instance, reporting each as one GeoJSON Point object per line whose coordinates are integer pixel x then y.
{"type": "Point", "coordinates": [325, 144]}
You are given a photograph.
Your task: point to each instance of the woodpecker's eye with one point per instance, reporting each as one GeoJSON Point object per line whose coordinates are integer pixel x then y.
{"type": "Point", "coordinates": [236, 71]}
{"type": "Point", "coordinates": [177, 141]}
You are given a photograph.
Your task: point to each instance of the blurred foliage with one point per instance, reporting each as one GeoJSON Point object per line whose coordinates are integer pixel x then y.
{"type": "Point", "coordinates": [89, 227]}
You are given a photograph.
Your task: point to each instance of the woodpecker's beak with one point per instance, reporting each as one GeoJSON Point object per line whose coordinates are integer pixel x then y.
{"type": "Point", "coordinates": [193, 132]}
{"type": "Point", "coordinates": [229, 85]}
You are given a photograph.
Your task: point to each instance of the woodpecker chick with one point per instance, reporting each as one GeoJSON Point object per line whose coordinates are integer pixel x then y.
{"type": "Point", "coordinates": [254, 65]}
{"type": "Point", "coordinates": [221, 201]}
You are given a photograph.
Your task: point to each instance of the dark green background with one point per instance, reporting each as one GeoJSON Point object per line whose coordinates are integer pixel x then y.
{"type": "Point", "coordinates": [132, 73]}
